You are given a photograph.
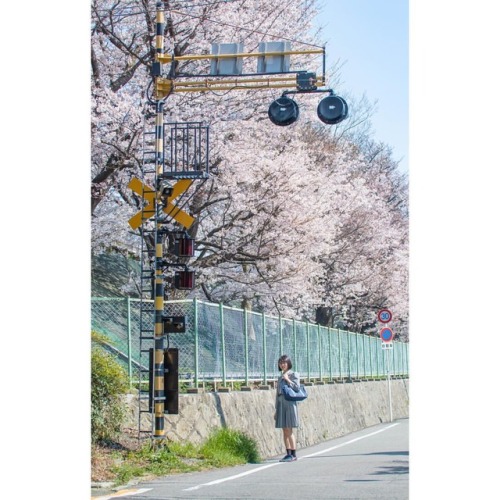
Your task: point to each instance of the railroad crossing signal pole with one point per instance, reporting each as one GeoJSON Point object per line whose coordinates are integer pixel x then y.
{"type": "Point", "coordinates": [158, 199]}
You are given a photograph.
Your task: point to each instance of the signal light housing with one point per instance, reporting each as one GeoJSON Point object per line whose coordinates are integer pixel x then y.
{"type": "Point", "coordinates": [184, 280]}
{"type": "Point", "coordinates": [283, 111]}
{"type": "Point", "coordinates": [332, 110]}
{"type": "Point", "coordinates": [184, 246]}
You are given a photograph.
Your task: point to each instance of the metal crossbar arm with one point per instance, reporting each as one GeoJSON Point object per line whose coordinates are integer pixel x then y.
{"type": "Point", "coordinates": [164, 59]}
{"type": "Point", "coordinates": [166, 86]}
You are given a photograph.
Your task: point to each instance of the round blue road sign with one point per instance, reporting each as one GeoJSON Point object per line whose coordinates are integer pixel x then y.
{"type": "Point", "coordinates": [386, 334]}
{"type": "Point", "coordinates": [384, 315]}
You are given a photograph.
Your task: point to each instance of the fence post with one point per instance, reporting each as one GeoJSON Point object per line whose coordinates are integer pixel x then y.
{"type": "Point", "coordinates": [377, 356]}
{"type": "Point", "coordinates": [365, 357]}
{"type": "Point", "coordinates": [401, 359]}
{"type": "Point", "coordinates": [404, 359]}
{"type": "Point", "coordinates": [196, 344]}
{"type": "Point", "coordinates": [393, 361]}
{"type": "Point", "coordinates": [348, 354]}
{"type": "Point", "coordinates": [245, 330]}
{"type": "Point", "coordinates": [223, 343]}
{"type": "Point", "coordinates": [308, 352]}
{"type": "Point", "coordinates": [280, 326]}
{"type": "Point", "coordinates": [340, 352]}
{"type": "Point", "coordinates": [395, 365]}
{"type": "Point", "coordinates": [407, 359]}
{"type": "Point", "coordinates": [319, 355]}
{"type": "Point", "coordinates": [371, 355]}
{"type": "Point", "coordinates": [357, 355]}
{"type": "Point", "coordinates": [402, 371]}
{"type": "Point", "coordinates": [294, 328]}
{"type": "Point", "coordinates": [329, 333]}
{"type": "Point", "coordinates": [264, 347]}
{"type": "Point", "coordinates": [129, 344]}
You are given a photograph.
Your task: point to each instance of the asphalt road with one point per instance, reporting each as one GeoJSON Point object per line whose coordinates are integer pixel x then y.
{"type": "Point", "coordinates": [368, 464]}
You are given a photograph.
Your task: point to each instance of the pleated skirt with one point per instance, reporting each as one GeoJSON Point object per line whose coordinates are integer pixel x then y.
{"type": "Point", "coordinates": [287, 414]}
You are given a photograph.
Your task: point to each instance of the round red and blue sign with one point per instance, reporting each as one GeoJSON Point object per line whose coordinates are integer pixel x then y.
{"type": "Point", "coordinates": [386, 334]}
{"type": "Point", "coordinates": [384, 315]}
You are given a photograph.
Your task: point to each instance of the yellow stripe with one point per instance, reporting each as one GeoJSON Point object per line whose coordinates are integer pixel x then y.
{"type": "Point", "coordinates": [159, 303]}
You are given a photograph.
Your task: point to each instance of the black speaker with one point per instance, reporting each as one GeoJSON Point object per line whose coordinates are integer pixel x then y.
{"type": "Point", "coordinates": [171, 380]}
{"type": "Point", "coordinates": [332, 110]}
{"type": "Point", "coordinates": [283, 111]}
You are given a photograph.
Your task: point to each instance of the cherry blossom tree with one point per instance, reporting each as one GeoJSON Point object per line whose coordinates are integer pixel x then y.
{"type": "Point", "coordinates": [309, 220]}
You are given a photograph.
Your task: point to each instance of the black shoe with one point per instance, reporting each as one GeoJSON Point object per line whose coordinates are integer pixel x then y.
{"type": "Point", "coordinates": [287, 458]}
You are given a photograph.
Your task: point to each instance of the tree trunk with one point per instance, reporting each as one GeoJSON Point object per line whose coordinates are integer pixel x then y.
{"type": "Point", "coordinates": [324, 316]}
{"type": "Point", "coordinates": [246, 304]}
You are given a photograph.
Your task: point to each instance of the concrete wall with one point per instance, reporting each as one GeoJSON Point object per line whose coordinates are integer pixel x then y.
{"type": "Point", "coordinates": [330, 411]}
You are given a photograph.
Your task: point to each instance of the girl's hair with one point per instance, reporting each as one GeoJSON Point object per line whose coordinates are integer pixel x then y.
{"type": "Point", "coordinates": [285, 359]}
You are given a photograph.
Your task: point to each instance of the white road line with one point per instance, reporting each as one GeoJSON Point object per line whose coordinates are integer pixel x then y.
{"type": "Point", "coordinates": [230, 478]}
{"type": "Point", "coordinates": [349, 442]}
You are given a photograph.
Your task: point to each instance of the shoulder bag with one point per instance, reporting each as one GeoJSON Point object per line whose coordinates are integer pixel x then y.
{"type": "Point", "coordinates": [291, 395]}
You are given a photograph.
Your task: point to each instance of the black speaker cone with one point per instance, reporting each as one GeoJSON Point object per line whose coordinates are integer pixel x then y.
{"type": "Point", "coordinates": [283, 111]}
{"type": "Point", "coordinates": [332, 109]}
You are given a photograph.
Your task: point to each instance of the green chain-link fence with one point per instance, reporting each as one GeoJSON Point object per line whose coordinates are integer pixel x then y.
{"type": "Point", "coordinates": [227, 344]}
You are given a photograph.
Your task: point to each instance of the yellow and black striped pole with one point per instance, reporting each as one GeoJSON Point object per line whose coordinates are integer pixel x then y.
{"type": "Point", "coordinates": [159, 367]}
{"type": "Point", "coordinates": [160, 30]}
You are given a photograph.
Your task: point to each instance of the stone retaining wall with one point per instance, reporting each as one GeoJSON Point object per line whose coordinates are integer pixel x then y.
{"type": "Point", "coordinates": [330, 411]}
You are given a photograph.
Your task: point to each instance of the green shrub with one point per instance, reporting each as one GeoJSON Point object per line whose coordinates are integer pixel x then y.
{"type": "Point", "coordinates": [230, 448]}
{"type": "Point", "coordinates": [109, 382]}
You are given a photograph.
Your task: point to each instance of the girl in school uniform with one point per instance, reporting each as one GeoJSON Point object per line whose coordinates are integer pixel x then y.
{"type": "Point", "coordinates": [287, 415]}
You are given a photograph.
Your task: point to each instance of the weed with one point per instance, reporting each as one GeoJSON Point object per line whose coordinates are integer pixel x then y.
{"type": "Point", "coordinates": [230, 447]}
{"type": "Point", "coordinates": [224, 448]}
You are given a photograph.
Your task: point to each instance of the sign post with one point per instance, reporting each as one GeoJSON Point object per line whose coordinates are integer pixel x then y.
{"type": "Point", "coordinates": [389, 383]}
{"type": "Point", "coordinates": [386, 334]}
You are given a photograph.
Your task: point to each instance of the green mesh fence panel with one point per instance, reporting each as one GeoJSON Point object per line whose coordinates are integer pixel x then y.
{"type": "Point", "coordinates": [344, 353]}
{"type": "Point", "coordinates": [273, 352]}
{"type": "Point", "coordinates": [110, 318]}
{"type": "Point", "coordinates": [234, 342]}
{"type": "Point", "coordinates": [287, 340]}
{"type": "Point", "coordinates": [210, 342]}
{"type": "Point", "coordinates": [255, 346]}
{"type": "Point", "coordinates": [220, 345]}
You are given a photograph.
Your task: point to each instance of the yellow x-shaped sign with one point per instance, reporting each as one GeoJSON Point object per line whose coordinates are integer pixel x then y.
{"type": "Point", "coordinates": [150, 196]}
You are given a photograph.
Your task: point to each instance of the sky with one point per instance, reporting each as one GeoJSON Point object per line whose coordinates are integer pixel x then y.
{"type": "Point", "coordinates": [369, 39]}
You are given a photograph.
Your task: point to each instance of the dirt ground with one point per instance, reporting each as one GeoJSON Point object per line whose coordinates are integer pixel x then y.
{"type": "Point", "coordinates": [104, 457]}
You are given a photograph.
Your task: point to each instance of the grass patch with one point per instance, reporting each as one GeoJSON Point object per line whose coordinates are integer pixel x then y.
{"type": "Point", "coordinates": [159, 460]}
{"type": "Point", "coordinates": [224, 448]}
{"type": "Point", "coordinates": [229, 447]}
